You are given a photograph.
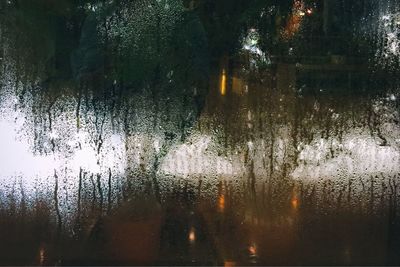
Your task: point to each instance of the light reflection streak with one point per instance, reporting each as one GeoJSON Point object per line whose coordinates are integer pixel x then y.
{"type": "Point", "coordinates": [223, 83]}
{"type": "Point", "coordinates": [192, 235]}
{"type": "Point", "coordinates": [295, 19]}
{"type": "Point", "coordinates": [253, 250]}
{"type": "Point", "coordinates": [295, 203]}
{"type": "Point", "coordinates": [41, 256]}
{"type": "Point", "coordinates": [221, 203]}
{"type": "Point", "coordinates": [229, 263]}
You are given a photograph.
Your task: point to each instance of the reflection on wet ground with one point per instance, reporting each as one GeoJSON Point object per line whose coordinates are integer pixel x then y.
{"type": "Point", "coordinates": [265, 177]}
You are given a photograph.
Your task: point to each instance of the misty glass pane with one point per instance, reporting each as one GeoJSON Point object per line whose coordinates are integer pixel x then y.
{"type": "Point", "coordinates": [199, 132]}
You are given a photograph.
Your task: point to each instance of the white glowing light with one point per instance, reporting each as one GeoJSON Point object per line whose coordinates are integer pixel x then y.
{"type": "Point", "coordinates": [85, 158]}
{"type": "Point", "coordinates": [192, 235]}
{"type": "Point", "coordinates": [361, 155]}
{"type": "Point", "coordinates": [16, 157]}
{"type": "Point", "coordinates": [389, 31]}
{"type": "Point", "coordinates": [250, 145]}
{"type": "Point", "coordinates": [18, 162]}
{"type": "Point", "coordinates": [157, 145]}
{"type": "Point", "coordinates": [195, 158]}
{"type": "Point", "coordinates": [251, 45]}
{"type": "Point", "coordinates": [53, 135]}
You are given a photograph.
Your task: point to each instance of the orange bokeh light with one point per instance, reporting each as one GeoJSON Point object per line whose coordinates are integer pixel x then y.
{"type": "Point", "coordinates": [221, 202]}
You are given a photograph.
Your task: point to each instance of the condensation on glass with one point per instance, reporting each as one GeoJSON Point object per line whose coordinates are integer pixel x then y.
{"type": "Point", "coordinates": [183, 132]}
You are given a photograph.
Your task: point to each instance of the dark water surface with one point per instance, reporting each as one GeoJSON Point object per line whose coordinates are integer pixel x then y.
{"type": "Point", "coordinates": [198, 133]}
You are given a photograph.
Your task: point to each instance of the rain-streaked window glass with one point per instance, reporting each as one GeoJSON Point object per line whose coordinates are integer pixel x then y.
{"type": "Point", "coordinates": [199, 132]}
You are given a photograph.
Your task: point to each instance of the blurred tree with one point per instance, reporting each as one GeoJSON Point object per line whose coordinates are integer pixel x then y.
{"type": "Point", "coordinates": [38, 38]}
{"type": "Point", "coordinates": [142, 43]}
{"type": "Point", "coordinates": [226, 22]}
